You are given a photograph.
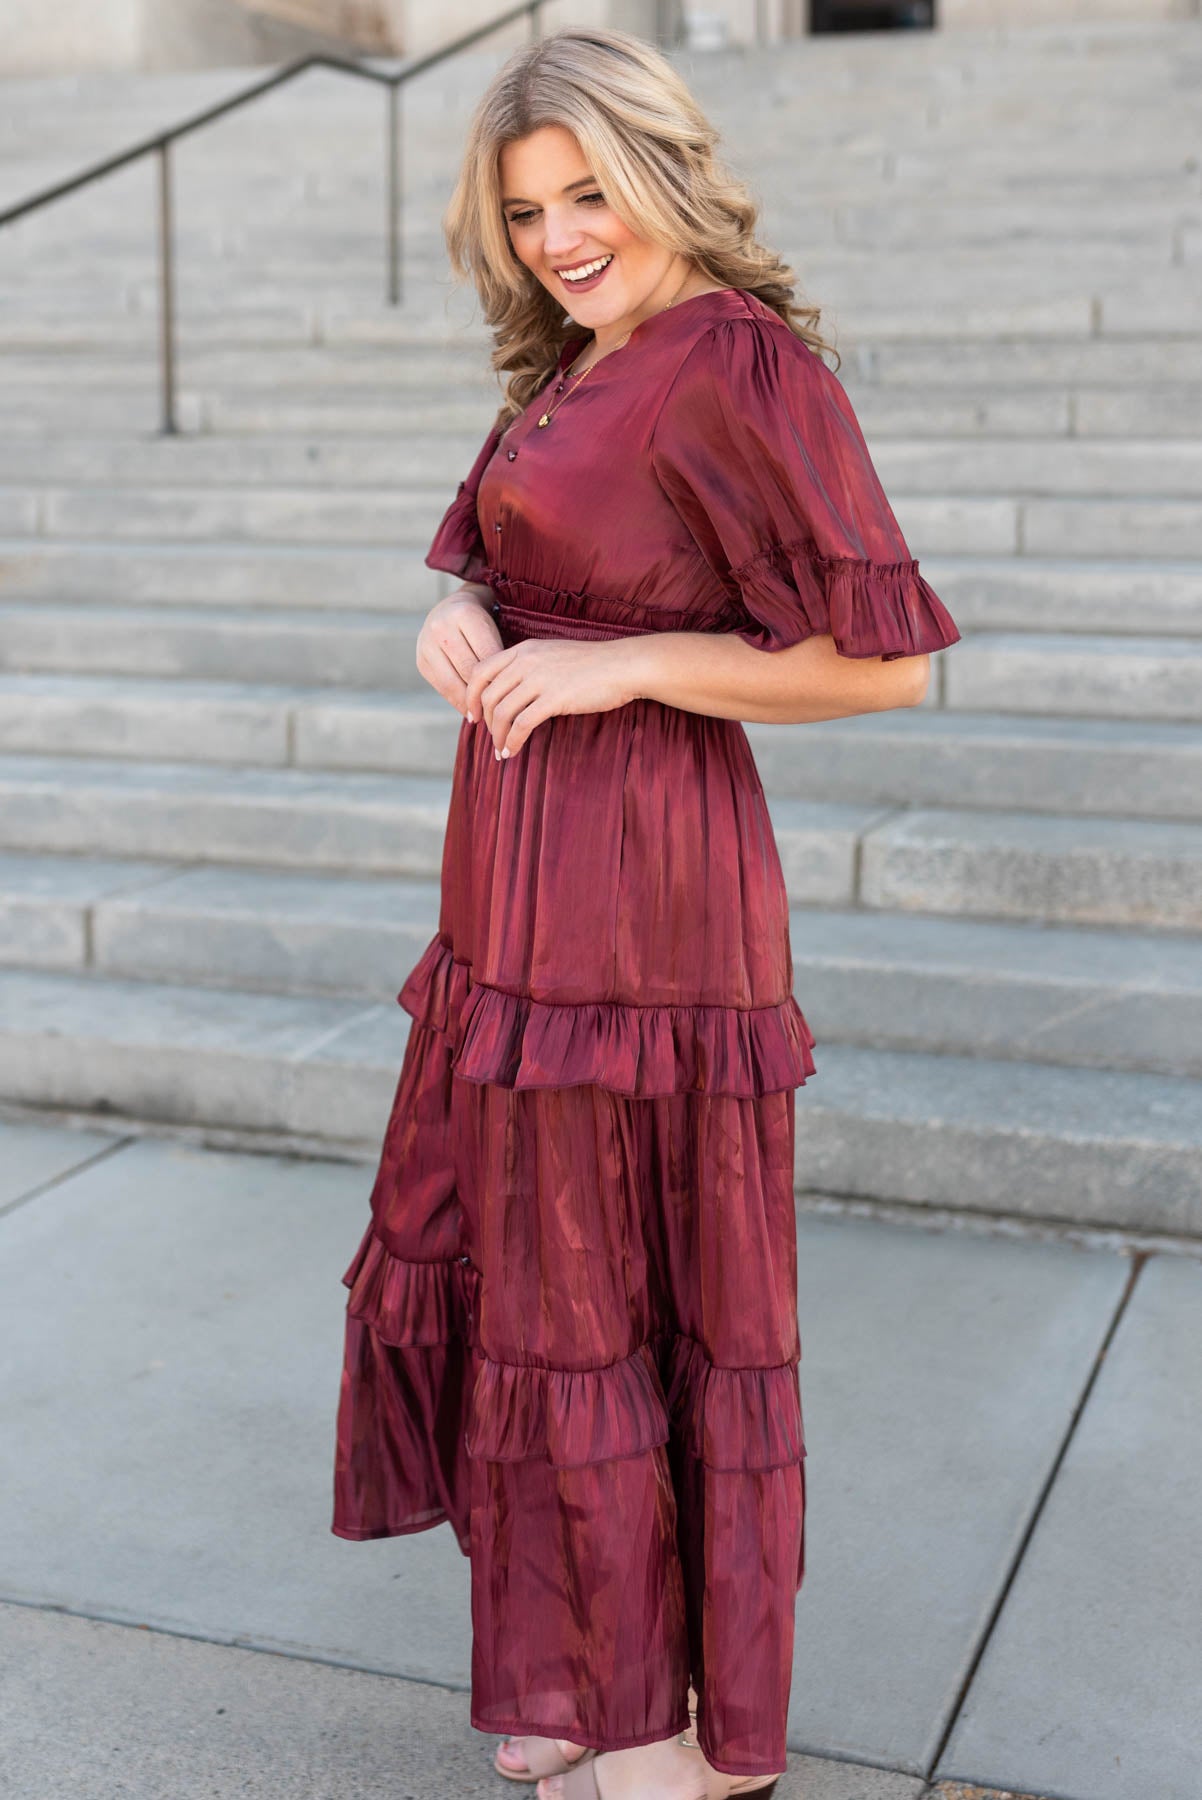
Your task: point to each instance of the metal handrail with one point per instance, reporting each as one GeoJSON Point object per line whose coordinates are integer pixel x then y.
{"type": "Point", "coordinates": [161, 143]}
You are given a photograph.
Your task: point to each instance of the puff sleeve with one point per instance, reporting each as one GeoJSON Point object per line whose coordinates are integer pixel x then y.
{"type": "Point", "coordinates": [759, 451]}
{"type": "Point", "coordinates": [458, 544]}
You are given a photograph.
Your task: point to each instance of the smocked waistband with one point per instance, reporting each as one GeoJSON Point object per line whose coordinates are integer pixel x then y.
{"type": "Point", "coordinates": [527, 609]}
{"type": "Point", "coordinates": [525, 621]}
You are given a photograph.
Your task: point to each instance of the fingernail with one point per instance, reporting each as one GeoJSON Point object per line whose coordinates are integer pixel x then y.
{"type": "Point", "coordinates": [505, 752]}
{"type": "Point", "coordinates": [470, 717]}
{"type": "Point", "coordinates": [496, 754]}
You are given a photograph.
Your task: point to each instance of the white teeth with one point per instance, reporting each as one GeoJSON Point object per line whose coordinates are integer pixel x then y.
{"type": "Point", "coordinates": [588, 269]}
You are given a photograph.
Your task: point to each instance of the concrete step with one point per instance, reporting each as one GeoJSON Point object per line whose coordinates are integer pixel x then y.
{"type": "Point", "coordinates": [1080, 996]}
{"type": "Point", "coordinates": [1034, 361]}
{"type": "Point", "coordinates": [461, 367]}
{"type": "Point", "coordinates": [18, 512]}
{"type": "Point", "coordinates": [999, 864]}
{"type": "Point", "coordinates": [1075, 468]}
{"type": "Point", "coordinates": [968, 410]}
{"type": "Point", "coordinates": [228, 722]}
{"type": "Point", "coordinates": [1075, 995]}
{"type": "Point", "coordinates": [1036, 594]}
{"type": "Point", "coordinates": [1013, 865]}
{"type": "Point", "coordinates": [957, 304]}
{"type": "Point", "coordinates": [1113, 677]}
{"type": "Point", "coordinates": [1004, 167]}
{"type": "Point", "coordinates": [105, 329]}
{"type": "Point", "coordinates": [232, 312]}
{"type": "Point", "coordinates": [1009, 226]}
{"type": "Point", "coordinates": [201, 462]}
{"type": "Point", "coordinates": [261, 929]}
{"type": "Point", "coordinates": [285, 515]}
{"type": "Point", "coordinates": [985, 1136]}
{"type": "Point", "coordinates": [945, 525]}
{"type": "Point", "coordinates": [273, 241]}
{"type": "Point", "coordinates": [1141, 527]}
{"type": "Point", "coordinates": [361, 577]}
{"type": "Point", "coordinates": [971, 411]}
{"type": "Point", "coordinates": [38, 414]}
{"type": "Point", "coordinates": [929, 756]}
{"type": "Point", "coordinates": [1042, 673]}
{"type": "Point", "coordinates": [1032, 467]}
{"type": "Point", "coordinates": [319, 265]}
{"type": "Point", "coordinates": [324, 408]}
{"type": "Point", "coordinates": [1146, 224]}
{"type": "Point", "coordinates": [306, 648]}
{"type": "Point", "coordinates": [1085, 1145]}
{"type": "Point", "coordinates": [1101, 362]}
{"type": "Point", "coordinates": [186, 812]}
{"type": "Point", "coordinates": [924, 756]}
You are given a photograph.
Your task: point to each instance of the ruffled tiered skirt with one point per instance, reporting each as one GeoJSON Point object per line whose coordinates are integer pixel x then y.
{"type": "Point", "coordinates": [572, 1320]}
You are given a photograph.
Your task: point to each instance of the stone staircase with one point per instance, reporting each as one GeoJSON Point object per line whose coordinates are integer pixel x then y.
{"type": "Point", "coordinates": [223, 785]}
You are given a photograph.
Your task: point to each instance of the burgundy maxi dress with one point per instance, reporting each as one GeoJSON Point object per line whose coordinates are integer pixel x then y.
{"type": "Point", "coordinates": [572, 1322]}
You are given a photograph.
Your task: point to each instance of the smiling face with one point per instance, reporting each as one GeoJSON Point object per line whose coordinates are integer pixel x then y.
{"type": "Point", "coordinates": [561, 227]}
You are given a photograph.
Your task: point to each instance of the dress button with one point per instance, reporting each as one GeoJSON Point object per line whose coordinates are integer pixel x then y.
{"type": "Point", "coordinates": [511, 454]}
{"type": "Point", "coordinates": [465, 1259]}
{"type": "Point", "coordinates": [497, 526]}
{"type": "Point", "coordinates": [559, 389]}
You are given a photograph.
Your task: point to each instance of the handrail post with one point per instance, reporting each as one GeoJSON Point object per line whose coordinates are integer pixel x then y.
{"type": "Point", "coordinates": [161, 146]}
{"type": "Point", "coordinates": [166, 293]}
{"type": "Point", "coordinates": [394, 192]}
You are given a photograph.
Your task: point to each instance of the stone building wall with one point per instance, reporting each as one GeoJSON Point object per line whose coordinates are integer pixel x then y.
{"type": "Point", "coordinates": [63, 36]}
{"type": "Point", "coordinates": [47, 37]}
{"type": "Point", "coordinates": [1047, 12]}
{"type": "Point", "coordinates": [52, 36]}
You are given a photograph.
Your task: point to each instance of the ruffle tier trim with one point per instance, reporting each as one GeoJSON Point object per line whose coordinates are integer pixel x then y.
{"type": "Point", "coordinates": [728, 1419]}
{"type": "Point", "coordinates": [513, 1041]}
{"type": "Point", "coordinates": [868, 608]}
{"type": "Point", "coordinates": [411, 1305]}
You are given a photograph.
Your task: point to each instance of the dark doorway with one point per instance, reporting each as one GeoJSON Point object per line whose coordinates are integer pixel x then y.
{"type": "Point", "coordinates": [871, 15]}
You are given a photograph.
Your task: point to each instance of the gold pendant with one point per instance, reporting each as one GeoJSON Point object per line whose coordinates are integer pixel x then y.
{"type": "Point", "coordinates": [546, 419]}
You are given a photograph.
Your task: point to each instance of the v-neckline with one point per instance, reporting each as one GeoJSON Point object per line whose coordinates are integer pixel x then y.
{"type": "Point", "coordinates": [565, 359]}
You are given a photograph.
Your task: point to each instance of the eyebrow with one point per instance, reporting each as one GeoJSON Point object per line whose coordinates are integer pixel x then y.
{"type": "Point", "coordinates": [517, 200]}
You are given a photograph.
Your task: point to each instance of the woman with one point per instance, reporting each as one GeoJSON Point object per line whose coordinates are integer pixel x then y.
{"type": "Point", "coordinates": [572, 1323]}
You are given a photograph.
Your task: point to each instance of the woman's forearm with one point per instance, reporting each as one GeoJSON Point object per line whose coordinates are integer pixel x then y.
{"type": "Point", "coordinates": [717, 673]}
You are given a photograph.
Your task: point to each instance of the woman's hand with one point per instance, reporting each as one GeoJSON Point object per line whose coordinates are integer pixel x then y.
{"type": "Point", "coordinates": [515, 689]}
{"type": "Point", "coordinates": [456, 633]}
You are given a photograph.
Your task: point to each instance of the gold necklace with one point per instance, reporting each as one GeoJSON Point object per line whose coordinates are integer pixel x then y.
{"type": "Point", "coordinates": [552, 410]}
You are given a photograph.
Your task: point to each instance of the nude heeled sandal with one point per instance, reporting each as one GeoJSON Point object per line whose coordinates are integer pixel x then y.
{"type": "Point", "coordinates": [542, 1757]}
{"type": "Point", "coordinates": [719, 1786]}
{"type": "Point", "coordinates": [581, 1783]}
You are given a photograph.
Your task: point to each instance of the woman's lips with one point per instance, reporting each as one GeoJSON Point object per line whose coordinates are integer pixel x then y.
{"type": "Point", "coordinates": [590, 282]}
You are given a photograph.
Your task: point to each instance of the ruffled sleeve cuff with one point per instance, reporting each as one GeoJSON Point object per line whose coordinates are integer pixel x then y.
{"type": "Point", "coordinates": [868, 608]}
{"type": "Point", "coordinates": [458, 545]}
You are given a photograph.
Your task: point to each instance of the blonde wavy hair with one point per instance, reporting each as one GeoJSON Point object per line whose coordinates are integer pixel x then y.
{"type": "Point", "coordinates": [653, 153]}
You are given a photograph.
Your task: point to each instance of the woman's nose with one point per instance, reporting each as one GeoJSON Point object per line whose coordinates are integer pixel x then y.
{"type": "Point", "coordinates": [561, 239]}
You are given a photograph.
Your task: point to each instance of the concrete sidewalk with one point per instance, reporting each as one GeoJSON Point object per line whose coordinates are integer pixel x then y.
{"type": "Point", "coordinates": [1003, 1587]}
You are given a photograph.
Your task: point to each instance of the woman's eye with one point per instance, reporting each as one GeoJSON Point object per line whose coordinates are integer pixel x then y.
{"type": "Point", "coordinates": [524, 218]}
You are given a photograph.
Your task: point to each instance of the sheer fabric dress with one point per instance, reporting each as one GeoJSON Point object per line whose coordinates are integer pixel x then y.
{"type": "Point", "coordinates": [572, 1327]}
